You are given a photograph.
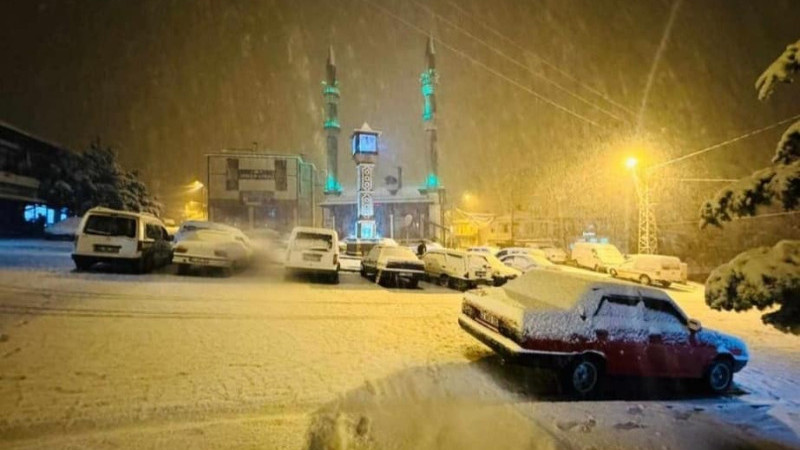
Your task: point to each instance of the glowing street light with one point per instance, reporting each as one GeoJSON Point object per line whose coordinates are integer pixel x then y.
{"type": "Point", "coordinates": [196, 185]}
{"type": "Point", "coordinates": [631, 162]}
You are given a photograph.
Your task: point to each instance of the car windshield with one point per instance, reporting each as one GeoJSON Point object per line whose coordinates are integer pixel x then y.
{"type": "Point", "coordinates": [105, 225]}
{"type": "Point", "coordinates": [313, 241]}
{"type": "Point", "coordinates": [390, 224]}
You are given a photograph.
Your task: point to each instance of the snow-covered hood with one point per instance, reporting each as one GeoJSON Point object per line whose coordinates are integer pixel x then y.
{"type": "Point", "coordinates": [724, 343]}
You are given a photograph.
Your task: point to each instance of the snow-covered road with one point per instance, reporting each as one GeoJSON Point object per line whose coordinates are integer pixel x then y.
{"type": "Point", "coordinates": [99, 360]}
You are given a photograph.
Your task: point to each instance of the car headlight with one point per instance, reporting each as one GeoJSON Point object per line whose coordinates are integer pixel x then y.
{"type": "Point", "coordinates": [221, 253]}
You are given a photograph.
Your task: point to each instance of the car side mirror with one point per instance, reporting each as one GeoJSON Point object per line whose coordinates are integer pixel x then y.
{"type": "Point", "coordinates": [695, 325]}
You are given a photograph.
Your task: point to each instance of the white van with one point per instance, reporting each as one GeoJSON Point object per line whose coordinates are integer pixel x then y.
{"type": "Point", "coordinates": [649, 269]}
{"type": "Point", "coordinates": [138, 242]}
{"type": "Point", "coordinates": [456, 269]}
{"type": "Point", "coordinates": [314, 251]}
{"type": "Point", "coordinates": [595, 256]}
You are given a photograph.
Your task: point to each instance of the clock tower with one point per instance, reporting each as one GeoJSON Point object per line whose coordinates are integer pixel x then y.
{"type": "Point", "coordinates": [365, 154]}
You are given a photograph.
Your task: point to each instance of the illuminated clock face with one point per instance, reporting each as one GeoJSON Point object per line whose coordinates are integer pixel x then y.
{"type": "Point", "coordinates": [367, 143]}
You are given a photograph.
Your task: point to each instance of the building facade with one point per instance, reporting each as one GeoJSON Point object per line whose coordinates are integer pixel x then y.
{"type": "Point", "coordinates": [254, 190]}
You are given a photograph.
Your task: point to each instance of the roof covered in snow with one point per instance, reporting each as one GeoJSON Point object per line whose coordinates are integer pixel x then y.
{"type": "Point", "coordinates": [563, 290]}
{"type": "Point", "coordinates": [407, 194]}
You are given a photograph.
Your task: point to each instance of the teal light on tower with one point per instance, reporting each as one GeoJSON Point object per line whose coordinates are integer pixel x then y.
{"type": "Point", "coordinates": [428, 80]}
{"type": "Point", "coordinates": [330, 92]}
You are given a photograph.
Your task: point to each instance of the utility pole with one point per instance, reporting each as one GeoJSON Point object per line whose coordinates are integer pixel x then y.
{"type": "Point", "coordinates": [648, 231]}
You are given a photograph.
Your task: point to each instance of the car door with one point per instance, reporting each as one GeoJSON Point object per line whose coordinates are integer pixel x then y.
{"type": "Point", "coordinates": [619, 334]}
{"type": "Point", "coordinates": [626, 270]}
{"type": "Point", "coordinates": [669, 348]}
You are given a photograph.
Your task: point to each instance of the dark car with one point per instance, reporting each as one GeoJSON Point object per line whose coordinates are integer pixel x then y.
{"type": "Point", "coordinates": [392, 264]}
{"type": "Point", "coordinates": [587, 328]}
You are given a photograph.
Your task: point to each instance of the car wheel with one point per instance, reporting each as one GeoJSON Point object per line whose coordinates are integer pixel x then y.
{"type": "Point", "coordinates": [583, 378]}
{"type": "Point", "coordinates": [413, 283]}
{"type": "Point", "coordinates": [183, 269]}
{"type": "Point", "coordinates": [645, 280]}
{"type": "Point", "coordinates": [666, 284]}
{"type": "Point", "coordinates": [363, 273]}
{"type": "Point", "coordinates": [444, 281]}
{"type": "Point", "coordinates": [719, 376]}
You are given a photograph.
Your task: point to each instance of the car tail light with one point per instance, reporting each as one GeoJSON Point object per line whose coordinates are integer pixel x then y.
{"type": "Point", "coordinates": [221, 253]}
{"type": "Point", "coordinates": [181, 249]}
{"type": "Point", "coordinates": [335, 259]}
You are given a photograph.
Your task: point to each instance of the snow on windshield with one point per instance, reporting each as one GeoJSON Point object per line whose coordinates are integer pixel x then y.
{"type": "Point", "coordinates": [110, 226]}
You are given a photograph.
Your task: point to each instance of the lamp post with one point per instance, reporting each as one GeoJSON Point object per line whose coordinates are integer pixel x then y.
{"type": "Point", "coordinates": [197, 185]}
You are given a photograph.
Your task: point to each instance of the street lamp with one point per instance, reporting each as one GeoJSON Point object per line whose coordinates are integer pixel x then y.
{"type": "Point", "coordinates": [631, 163]}
{"type": "Point", "coordinates": [196, 186]}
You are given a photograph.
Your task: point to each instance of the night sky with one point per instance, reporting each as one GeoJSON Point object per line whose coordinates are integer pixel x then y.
{"type": "Point", "coordinates": [165, 82]}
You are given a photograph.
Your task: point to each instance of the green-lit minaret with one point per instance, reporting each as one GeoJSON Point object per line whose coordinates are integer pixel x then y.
{"type": "Point", "coordinates": [428, 80]}
{"type": "Point", "coordinates": [330, 92]}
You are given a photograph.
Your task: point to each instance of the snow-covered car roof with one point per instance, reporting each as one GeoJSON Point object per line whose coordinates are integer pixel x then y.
{"type": "Point", "coordinates": [564, 290]}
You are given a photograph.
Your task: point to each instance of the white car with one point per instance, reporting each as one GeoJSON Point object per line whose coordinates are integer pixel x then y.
{"type": "Point", "coordinates": [313, 251]}
{"type": "Point", "coordinates": [649, 269]}
{"type": "Point", "coordinates": [398, 265]}
{"type": "Point", "coordinates": [210, 248]}
{"type": "Point", "coordinates": [520, 251]}
{"type": "Point", "coordinates": [498, 272]}
{"type": "Point", "coordinates": [194, 225]}
{"type": "Point", "coordinates": [596, 256]}
{"type": "Point", "coordinates": [127, 240]}
{"type": "Point", "coordinates": [526, 261]}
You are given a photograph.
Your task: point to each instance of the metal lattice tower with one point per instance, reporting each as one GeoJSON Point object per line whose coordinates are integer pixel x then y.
{"type": "Point", "coordinates": [648, 231]}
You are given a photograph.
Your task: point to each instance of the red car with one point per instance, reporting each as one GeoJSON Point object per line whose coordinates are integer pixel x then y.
{"type": "Point", "coordinates": [587, 328]}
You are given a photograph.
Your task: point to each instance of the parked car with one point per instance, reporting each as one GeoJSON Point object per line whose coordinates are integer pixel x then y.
{"type": "Point", "coordinates": [210, 248]}
{"type": "Point", "coordinates": [392, 264]}
{"type": "Point", "coordinates": [555, 255]}
{"type": "Point", "coordinates": [349, 263]}
{"type": "Point", "coordinates": [66, 230]}
{"type": "Point", "coordinates": [526, 261]}
{"type": "Point", "coordinates": [520, 251]}
{"type": "Point", "coordinates": [596, 256]}
{"type": "Point", "coordinates": [313, 251]}
{"type": "Point", "coordinates": [137, 242]}
{"type": "Point", "coordinates": [498, 272]}
{"type": "Point", "coordinates": [649, 269]}
{"type": "Point", "coordinates": [193, 225]}
{"type": "Point", "coordinates": [452, 268]}
{"type": "Point", "coordinates": [586, 329]}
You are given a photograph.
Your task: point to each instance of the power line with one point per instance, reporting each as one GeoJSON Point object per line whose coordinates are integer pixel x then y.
{"type": "Point", "coordinates": [484, 66]}
{"type": "Point", "coordinates": [724, 143]}
{"type": "Point", "coordinates": [541, 59]}
{"type": "Point", "coordinates": [517, 63]}
{"type": "Point", "coordinates": [736, 219]}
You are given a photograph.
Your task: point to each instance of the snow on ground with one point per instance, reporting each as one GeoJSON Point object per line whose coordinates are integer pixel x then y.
{"type": "Point", "coordinates": [104, 360]}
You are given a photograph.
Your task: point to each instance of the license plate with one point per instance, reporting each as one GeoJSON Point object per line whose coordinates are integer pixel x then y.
{"type": "Point", "coordinates": [480, 274]}
{"type": "Point", "coordinates": [311, 257]}
{"type": "Point", "coordinates": [199, 261]}
{"type": "Point", "coordinates": [490, 319]}
{"type": "Point", "coordinates": [106, 249]}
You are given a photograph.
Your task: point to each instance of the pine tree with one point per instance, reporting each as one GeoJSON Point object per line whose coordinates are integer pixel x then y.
{"type": "Point", "coordinates": [763, 277]}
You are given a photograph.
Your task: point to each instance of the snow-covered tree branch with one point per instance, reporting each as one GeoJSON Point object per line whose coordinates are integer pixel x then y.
{"type": "Point", "coordinates": [780, 71]}
{"type": "Point", "coordinates": [763, 277]}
